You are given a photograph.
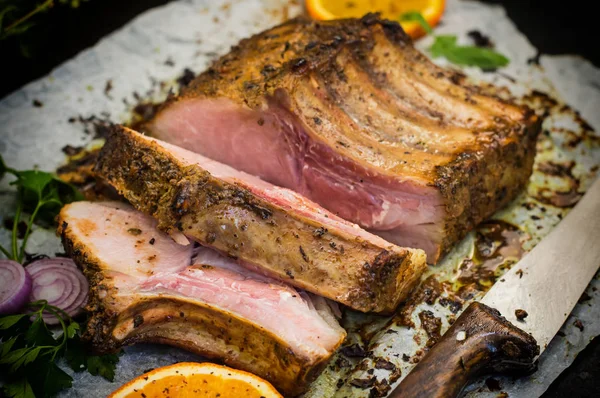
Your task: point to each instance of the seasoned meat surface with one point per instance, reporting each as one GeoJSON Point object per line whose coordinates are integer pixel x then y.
{"type": "Point", "coordinates": [147, 288]}
{"type": "Point", "coordinates": [349, 114]}
{"type": "Point", "coordinates": [270, 229]}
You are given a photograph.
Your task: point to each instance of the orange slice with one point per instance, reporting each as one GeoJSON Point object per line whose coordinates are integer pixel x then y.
{"type": "Point", "coordinates": [431, 10]}
{"type": "Point", "coordinates": [189, 379]}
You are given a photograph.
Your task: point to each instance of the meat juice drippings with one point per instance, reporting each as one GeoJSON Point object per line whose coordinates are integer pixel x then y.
{"type": "Point", "coordinates": [497, 248]}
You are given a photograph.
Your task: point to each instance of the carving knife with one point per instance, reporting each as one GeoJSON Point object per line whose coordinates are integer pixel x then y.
{"type": "Point", "coordinates": [513, 324]}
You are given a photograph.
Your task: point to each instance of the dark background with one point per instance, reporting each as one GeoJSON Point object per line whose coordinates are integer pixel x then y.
{"type": "Point", "coordinates": [554, 27]}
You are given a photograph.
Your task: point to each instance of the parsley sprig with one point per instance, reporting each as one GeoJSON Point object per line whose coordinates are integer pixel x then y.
{"type": "Point", "coordinates": [16, 17]}
{"type": "Point", "coordinates": [447, 46]}
{"type": "Point", "coordinates": [29, 353]}
{"type": "Point", "coordinates": [40, 194]}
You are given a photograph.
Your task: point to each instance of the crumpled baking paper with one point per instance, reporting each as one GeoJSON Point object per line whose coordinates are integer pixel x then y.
{"type": "Point", "coordinates": [157, 45]}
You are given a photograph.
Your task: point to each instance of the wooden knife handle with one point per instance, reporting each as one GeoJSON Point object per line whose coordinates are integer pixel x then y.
{"type": "Point", "coordinates": [480, 341]}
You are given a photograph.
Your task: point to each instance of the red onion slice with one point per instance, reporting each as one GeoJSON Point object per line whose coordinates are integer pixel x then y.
{"type": "Point", "coordinates": [57, 284]}
{"type": "Point", "coordinates": [61, 283]}
{"type": "Point", "coordinates": [15, 287]}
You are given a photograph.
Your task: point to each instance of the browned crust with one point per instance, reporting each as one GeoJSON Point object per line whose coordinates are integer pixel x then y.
{"type": "Point", "coordinates": [102, 306]}
{"type": "Point", "coordinates": [197, 327]}
{"type": "Point", "coordinates": [260, 64]}
{"type": "Point", "coordinates": [299, 47]}
{"type": "Point", "coordinates": [228, 217]}
{"type": "Point", "coordinates": [474, 182]}
{"type": "Point", "coordinates": [476, 185]}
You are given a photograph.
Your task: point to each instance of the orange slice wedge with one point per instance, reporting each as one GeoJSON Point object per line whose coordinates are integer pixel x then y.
{"type": "Point", "coordinates": [189, 379]}
{"type": "Point", "coordinates": [431, 10]}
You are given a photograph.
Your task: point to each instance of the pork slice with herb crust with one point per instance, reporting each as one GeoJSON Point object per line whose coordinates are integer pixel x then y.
{"type": "Point", "coordinates": [349, 114]}
{"type": "Point", "coordinates": [269, 229]}
{"type": "Point", "coordinates": [147, 288]}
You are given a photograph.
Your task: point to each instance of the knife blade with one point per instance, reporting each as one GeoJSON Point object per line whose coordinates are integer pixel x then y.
{"type": "Point", "coordinates": [518, 317]}
{"type": "Point", "coordinates": [548, 282]}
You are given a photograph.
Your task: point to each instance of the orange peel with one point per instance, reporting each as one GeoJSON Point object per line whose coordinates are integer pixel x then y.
{"type": "Point", "coordinates": [190, 379]}
{"type": "Point", "coordinates": [431, 10]}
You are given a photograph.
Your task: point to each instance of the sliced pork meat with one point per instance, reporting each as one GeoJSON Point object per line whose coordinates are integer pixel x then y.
{"type": "Point", "coordinates": [349, 114]}
{"type": "Point", "coordinates": [147, 288]}
{"type": "Point", "coordinates": [269, 229]}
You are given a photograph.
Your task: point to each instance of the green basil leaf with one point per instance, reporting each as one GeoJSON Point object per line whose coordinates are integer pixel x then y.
{"type": "Point", "coordinates": [79, 360]}
{"type": "Point", "coordinates": [7, 345]}
{"type": "Point", "coordinates": [46, 378]}
{"type": "Point", "coordinates": [56, 380]}
{"type": "Point", "coordinates": [446, 46]}
{"type": "Point", "coordinates": [416, 16]}
{"type": "Point", "coordinates": [442, 45]}
{"type": "Point", "coordinates": [3, 13]}
{"type": "Point", "coordinates": [103, 365]}
{"type": "Point", "coordinates": [39, 193]}
{"type": "Point", "coordinates": [76, 355]}
{"type": "Point", "coordinates": [13, 356]}
{"type": "Point", "coordinates": [51, 193]}
{"type": "Point", "coordinates": [10, 320]}
{"type": "Point", "coordinates": [33, 180]}
{"type": "Point", "coordinates": [483, 58]}
{"type": "Point", "coordinates": [30, 356]}
{"type": "Point", "coordinates": [72, 329]}
{"type": "Point", "coordinates": [39, 334]}
{"type": "Point", "coordinates": [19, 388]}
{"type": "Point", "coordinates": [44, 186]}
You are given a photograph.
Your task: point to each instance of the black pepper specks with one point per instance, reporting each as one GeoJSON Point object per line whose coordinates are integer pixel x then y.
{"type": "Point", "coordinates": [267, 69]}
{"type": "Point", "coordinates": [134, 231]}
{"type": "Point", "coordinates": [520, 273]}
{"type": "Point", "coordinates": [303, 254]}
{"type": "Point", "coordinates": [521, 314]}
{"type": "Point", "coordinates": [299, 66]}
{"type": "Point", "coordinates": [138, 320]}
{"type": "Point", "coordinates": [211, 237]}
{"type": "Point", "coordinates": [311, 45]}
{"type": "Point", "coordinates": [319, 232]}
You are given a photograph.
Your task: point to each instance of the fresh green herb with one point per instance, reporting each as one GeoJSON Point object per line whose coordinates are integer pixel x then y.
{"type": "Point", "coordinates": [485, 58]}
{"type": "Point", "coordinates": [29, 353]}
{"type": "Point", "coordinates": [416, 16]}
{"type": "Point", "coordinates": [39, 194]}
{"type": "Point", "coordinates": [22, 23]}
{"type": "Point", "coordinates": [447, 46]}
{"type": "Point", "coordinates": [16, 15]}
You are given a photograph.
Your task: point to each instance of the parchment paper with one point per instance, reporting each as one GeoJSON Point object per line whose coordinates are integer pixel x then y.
{"type": "Point", "coordinates": [159, 44]}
